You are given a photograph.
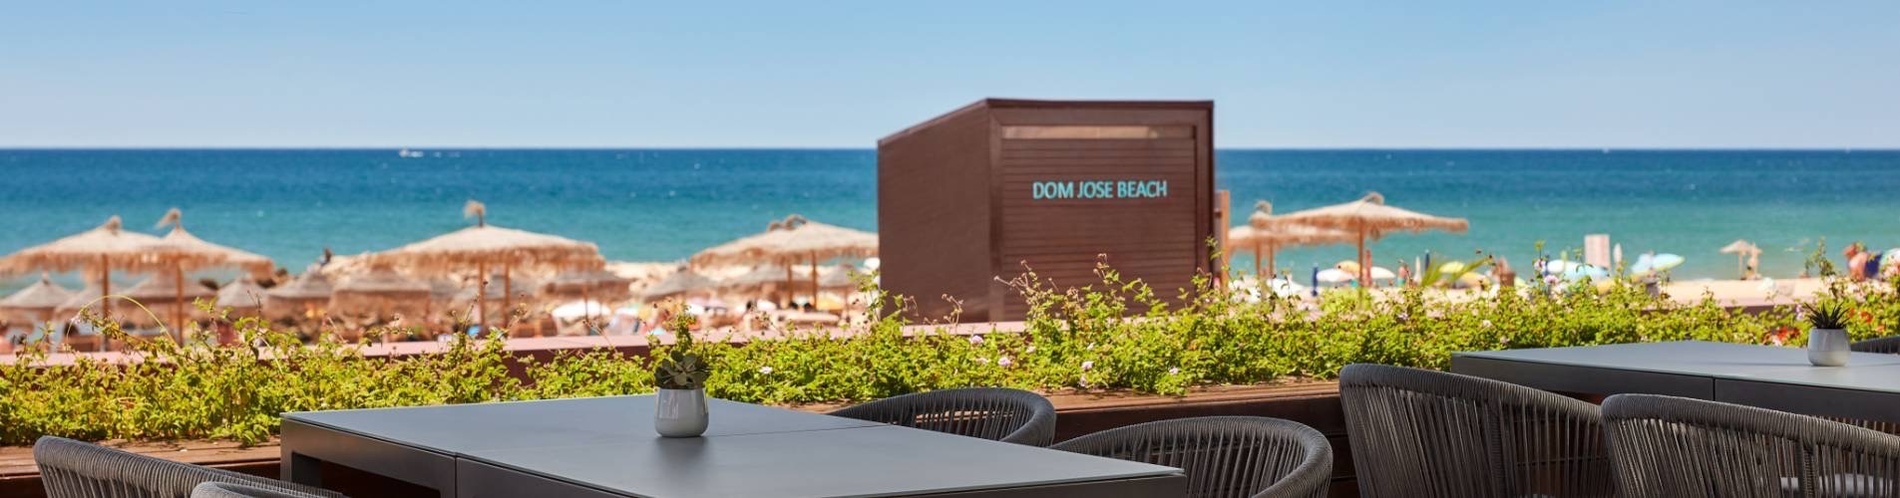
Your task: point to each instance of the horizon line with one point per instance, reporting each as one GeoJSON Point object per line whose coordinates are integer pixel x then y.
{"type": "Point", "coordinates": [860, 148]}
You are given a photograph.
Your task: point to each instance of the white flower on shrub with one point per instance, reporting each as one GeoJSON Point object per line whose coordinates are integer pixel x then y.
{"type": "Point", "coordinates": [766, 370]}
{"type": "Point", "coordinates": [976, 339]}
{"type": "Point", "coordinates": [1004, 362]}
{"type": "Point", "coordinates": [1031, 349]}
{"type": "Point", "coordinates": [1486, 323]}
{"type": "Point", "coordinates": [1086, 365]}
{"type": "Point", "coordinates": [1174, 371]}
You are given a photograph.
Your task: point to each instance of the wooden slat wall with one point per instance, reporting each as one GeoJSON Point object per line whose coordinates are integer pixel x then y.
{"type": "Point", "coordinates": [1062, 240]}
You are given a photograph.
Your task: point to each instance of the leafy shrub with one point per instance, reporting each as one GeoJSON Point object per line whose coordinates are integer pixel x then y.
{"type": "Point", "coordinates": [1116, 335]}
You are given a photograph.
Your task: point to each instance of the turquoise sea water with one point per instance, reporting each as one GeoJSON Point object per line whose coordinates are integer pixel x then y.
{"type": "Point", "coordinates": [666, 204]}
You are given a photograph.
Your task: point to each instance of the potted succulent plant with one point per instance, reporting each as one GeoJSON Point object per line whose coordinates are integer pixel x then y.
{"type": "Point", "coordinates": [680, 408]}
{"type": "Point", "coordinates": [1827, 335]}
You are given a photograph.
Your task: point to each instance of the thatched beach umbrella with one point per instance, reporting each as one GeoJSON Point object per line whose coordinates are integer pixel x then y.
{"type": "Point", "coordinates": [1263, 237]}
{"type": "Point", "coordinates": [1743, 250]}
{"type": "Point", "coordinates": [759, 279]}
{"type": "Point", "coordinates": [790, 241]}
{"type": "Point", "coordinates": [484, 247]}
{"type": "Point", "coordinates": [507, 291]}
{"type": "Point", "coordinates": [840, 277]}
{"type": "Point", "coordinates": [180, 251]}
{"type": "Point", "coordinates": [1368, 218]}
{"type": "Point", "coordinates": [589, 285]}
{"type": "Point", "coordinates": [684, 281]}
{"type": "Point", "coordinates": [100, 250]}
{"type": "Point", "coordinates": [166, 289]}
{"type": "Point", "coordinates": [380, 292]}
{"type": "Point", "coordinates": [36, 302]}
{"type": "Point", "coordinates": [243, 296]}
{"type": "Point", "coordinates": [309, 294]}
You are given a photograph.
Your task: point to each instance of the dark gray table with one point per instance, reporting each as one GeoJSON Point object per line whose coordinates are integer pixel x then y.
{"type": "Point", "coordinates": [1779, 378]}
{"type": "Point", "coordinates": [606, 447]}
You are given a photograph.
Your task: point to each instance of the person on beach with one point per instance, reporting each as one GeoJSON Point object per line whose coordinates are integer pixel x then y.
{"type": "Point", "coordinates": [1405, 273]}
{"type": "Point", "coordinates": [1857, 261]}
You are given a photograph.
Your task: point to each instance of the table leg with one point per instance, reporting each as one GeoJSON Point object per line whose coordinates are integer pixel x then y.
{"type": "Point", "coordinates": [302, 469]}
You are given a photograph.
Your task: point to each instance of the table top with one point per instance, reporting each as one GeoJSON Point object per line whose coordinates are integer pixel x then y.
{"type": "Point", "coordinates": [748, 450]}
{"type": "Point", "coordinates": [1697, 358]}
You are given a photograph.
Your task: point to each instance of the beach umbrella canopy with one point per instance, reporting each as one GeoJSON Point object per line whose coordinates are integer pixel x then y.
{"type": "Point", "coordinates": [99, 251]}
{"type": "Point", "coordinates": [1380, 273]}
{"type": "Point", "coordinates": [37, 301]}
{"type": "Point", "coordinates": [516, 288]}
{"type": "Point", "coordinates": [789, 241]}
{"type": "Point", "coordinates": [162, 290]}
{"type": "Point", "coordinates": [759, 278]}
{"type": "Point", "coordinates": [1647, 264]}
{"type": "Point", "coordinates": [684, 281]}
{"type": "Point", "coordinates": [1263, 237]}
{"type": "Point", "coordinates": [89, 298]}
{"type": "Point", "coordinates": [180, 251]}
{"type": "Point", "coordinates": [838, 278]}
{"type": "Point", "coordinates": [600, 284]}
{"type": "Point", "coordinates": [1743, 250]}
{"type": "Point", "coordinates": [1368, 219]}
{"type": "Point", "coordinates": [309, 292]}
{"type": "Point", "coordinates": [381, 291]}
{"type": "Point", "coordinates": [485, 246]}
{"type": "Point", "coordinates": [242, 294]}
{"type": "Point", "coordinates": [1333, 276]}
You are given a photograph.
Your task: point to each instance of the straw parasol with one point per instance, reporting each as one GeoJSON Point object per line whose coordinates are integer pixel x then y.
{"type": "Point", "coordinates": [484, 246]}
{"type": "Point", "coordinates": [380, 291]}
{"type": "Point", "coordinates": [589, 285]}
{"type": "Point", "coordinates": [36, 302]}
{"type": "Point", "coordinates": [684, 281]}
{"type": "Point", "coordinates": [792, 240]}
{"type": "Point", "coordinates": [1368, 218]}
{"type": "Point", "coordinates": [100, 250]}
{"type": "Point", "coordinates": [309, 292]}
{"type": "Point", "coordinates": [180, 251]}
{"type": "Point", "coordinates": [1263, 237]}
{"type": "Point", "coordinates": [759, 279]}
{"type": "Point", "coordinates": [242, 295]}
{"type": "Point", "coordinates": [838, 278]}
{"type": "Point", "coordinates": [162, 289]}
{"type": "Point", "coordinates": [1742, 250]}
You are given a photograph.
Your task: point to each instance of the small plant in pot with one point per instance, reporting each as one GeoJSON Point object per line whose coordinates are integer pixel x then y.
{"type": "Point", "coordinates": [1827, 335]}
{"type": "Point", "coordinates": [680, 407]}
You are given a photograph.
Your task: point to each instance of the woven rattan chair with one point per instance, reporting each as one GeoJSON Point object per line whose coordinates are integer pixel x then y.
{"type": "Point", "coordinates": [1423, 433]}
{"type": "Point", "coordinates": [72, 469]}
{"type": "Point", "coordinates": [1007, 415]}
{"type": "Point", "coordinates": [1887, 345]}
{"type": "Point", "coordinates": [1224, 456]}
{"type": "Point", "coordinates": [228, 490]}
{"type": "Point", "coordinates": [1668, 446]}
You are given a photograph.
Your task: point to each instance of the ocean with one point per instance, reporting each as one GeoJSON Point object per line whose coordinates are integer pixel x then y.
{"type": "Point", "coordinates": [658, 205]}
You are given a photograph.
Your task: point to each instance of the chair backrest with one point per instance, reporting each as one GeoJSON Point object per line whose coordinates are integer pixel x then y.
{"type": "Point", "coordinates": [1888, 345]}
{"type": "Point", "coordinates": [1423, 433]}
{"type": "Point", "coordinates": [1669, 446]}
{"type": "Point", "coordinates": [73, 469]}
{"type": "Point", "coordinates": [1224, 457]}
{"type": "Point", "coordinates": [228, 490]}
{"type": "Point", "coordinates": [1008, 415]}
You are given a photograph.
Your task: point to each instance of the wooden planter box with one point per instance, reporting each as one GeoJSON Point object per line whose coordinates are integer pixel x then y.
{"type": "Point", "coordinates": [1002, 185]}
{"type": "Point", "coordinates": [1315, 404]}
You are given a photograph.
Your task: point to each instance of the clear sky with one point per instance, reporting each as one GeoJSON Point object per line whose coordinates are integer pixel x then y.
{"type": "Point", "coordinates": [842, 74]}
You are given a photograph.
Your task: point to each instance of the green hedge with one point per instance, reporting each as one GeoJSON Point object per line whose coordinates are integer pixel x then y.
{"type": "Point", "coordinates": [1074, 340]}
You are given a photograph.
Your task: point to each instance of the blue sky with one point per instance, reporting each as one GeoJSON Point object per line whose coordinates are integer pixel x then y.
{"type": "Point", "coordinates": [842, 74]}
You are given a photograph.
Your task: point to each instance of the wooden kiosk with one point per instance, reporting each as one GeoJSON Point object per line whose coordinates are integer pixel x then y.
{"type": "Point", "coordinates": [979, 195]}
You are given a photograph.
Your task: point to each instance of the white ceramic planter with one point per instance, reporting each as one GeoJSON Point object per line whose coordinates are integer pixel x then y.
{"type": "Point", "coordinates": [1827, 347]}
{"type": "Point", "coordinates": [680, 412]}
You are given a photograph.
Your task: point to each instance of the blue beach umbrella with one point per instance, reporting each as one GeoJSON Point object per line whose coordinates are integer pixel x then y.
{"type": "Point", "coordinates": [1656, 264]}
{"type": "Point", "coordinates": [1582, 272]}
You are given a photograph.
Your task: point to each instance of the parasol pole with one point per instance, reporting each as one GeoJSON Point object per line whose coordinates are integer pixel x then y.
{"type": "Point", "coordinates": [105, 291]}
{"type": "Point", "coordinates": [507, 295]}
{"type": "Point", "coordinates": [481, 296]}
{"type": "Point", "coordinates": [814, 280]}
{"type": "Point", "coordinates": [1365, 270]}
{"type": "Point", "coordinates": [1258, 271]}
{"type": "Point", "coordinates": [791, 284]}
{"type": "Point", "coordinates": [1272, 254]}
{"type": "Point", "coordinates": [178, 303]}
